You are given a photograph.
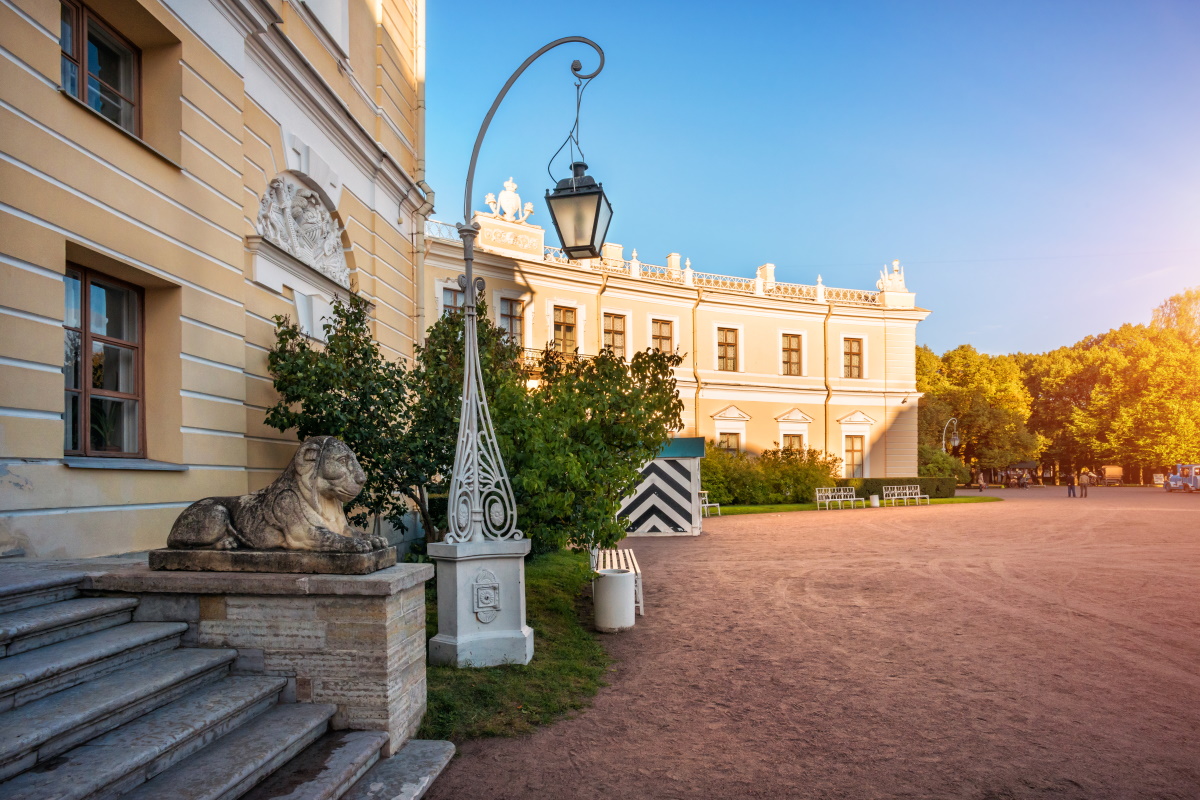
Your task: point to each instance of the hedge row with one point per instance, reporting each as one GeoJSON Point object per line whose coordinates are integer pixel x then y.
{"type": "Point", "coordinates": [934, 487]}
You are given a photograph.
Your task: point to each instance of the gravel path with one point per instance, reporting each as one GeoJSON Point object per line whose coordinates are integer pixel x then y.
{"type": "Point", "coordinates": [1039, 647]}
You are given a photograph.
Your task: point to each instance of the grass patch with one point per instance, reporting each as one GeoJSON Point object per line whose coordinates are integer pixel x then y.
{"type": "Point", "coordinates": [567, 669]}
{"type": "Point", "coordinates": [937, 501]}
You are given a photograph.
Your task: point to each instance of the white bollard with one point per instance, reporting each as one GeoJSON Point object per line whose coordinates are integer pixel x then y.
{"type": "Point", "coordinates": [614, 600]}
{"type": "Point", "coordinates": [874, 501]}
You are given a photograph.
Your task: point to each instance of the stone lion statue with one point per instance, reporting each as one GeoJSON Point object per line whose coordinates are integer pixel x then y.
{"type": "Point", "coordinates": [301, 510]}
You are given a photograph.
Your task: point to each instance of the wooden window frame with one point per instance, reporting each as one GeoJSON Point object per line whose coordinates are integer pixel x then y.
{"type": "Point", "coordinates": [561, 325]}
{"type": "Point", "coordinates": [459, 296]}
{"type": "Point", "coordinates": [790, 366]}
{"type": "Point", "coordinates": [515, 320]}
{"type": "Point", "coordinates": [723, 441]}
{"type": "Point", "coordinates": [84, 18]}
{"type": "Point", "coordinates": [611, 333]}
{"type": "Point", "coordinates": [657, 339]}
{"type": "Point", "coordinates": [849, 367]}
{"type": "Point", "coordinates": [85, 392]}
{"type": "Point", "coordinates": [724, 348]}
{"type": "Point", "coordinates": [799, 445]}
{"type": "Point", "coordinates": [862, 452]}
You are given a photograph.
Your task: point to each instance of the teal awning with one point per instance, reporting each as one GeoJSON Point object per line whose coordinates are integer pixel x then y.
{"type": "Point", "coordinates": [683, 447]}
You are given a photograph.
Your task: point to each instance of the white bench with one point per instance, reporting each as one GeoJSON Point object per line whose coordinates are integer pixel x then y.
{"type": "Point", "coordinates": [895, 494]}
{"type": "Point", "coordinates": [621, 559]}
{"type": "Point", "coordinates": [705, 505]}
{"type": "Point", "coordinates": [839, 495]}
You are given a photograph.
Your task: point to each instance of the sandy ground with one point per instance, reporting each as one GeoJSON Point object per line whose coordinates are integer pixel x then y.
{"type": "Point", "coordinates": [1040, 647]}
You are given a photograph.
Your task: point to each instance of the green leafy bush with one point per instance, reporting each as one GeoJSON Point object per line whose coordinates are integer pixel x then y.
{"type": "Point", "coordinates": [936, 463]}
{"type": "Point", "coordinates": [774, 477]}
{"type": "Point", "coordinates": [934, 487]}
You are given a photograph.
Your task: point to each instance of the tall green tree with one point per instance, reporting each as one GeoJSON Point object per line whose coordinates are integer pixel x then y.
{"type": "Point", "coordinates": [1180, 313]}
{"type": "Point", "coordinates": [987, 396]}
{"type": "Point", "coordinates": [593, 425]}
{"type": "Point", "coordinates": [1144, 406]}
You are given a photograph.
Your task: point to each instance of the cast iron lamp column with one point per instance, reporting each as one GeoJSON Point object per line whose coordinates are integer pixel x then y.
{"type": "Point", "coordinates": [953, 437]}
{"type": "Point", "coordinates": [481, 505]}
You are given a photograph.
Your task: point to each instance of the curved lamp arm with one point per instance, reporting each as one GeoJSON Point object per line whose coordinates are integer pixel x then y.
{"type": "Point", "coordinates": [575, 70]}
{"type": "Point", "coordinates": [944, 427]}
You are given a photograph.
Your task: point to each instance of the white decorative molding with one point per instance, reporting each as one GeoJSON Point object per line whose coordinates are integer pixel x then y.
{"type": "Point", "coordinates": [271, 267]}
{"type": "Point", "coordinates": [522, 241]}
{"type": "Point", "coordinates": [731, 413]}
{"type": "Point", "coordinates": [294, 218]}
{"type": "Point", "coordinates": [856, 418]}
{"type": "Point", "coordinates": [795, 415]}
{"type": "Point", "coordinates": [485, 596]}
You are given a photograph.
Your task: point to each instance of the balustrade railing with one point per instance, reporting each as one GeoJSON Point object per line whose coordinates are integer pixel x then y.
{"type": "Point", "coordinates": [616, 266]}
{"type": "Point", "coordinates": [728, 283]}
{"type": "Point", "coordinates": [707, 280]}
{"type": "Point", "coordinates": [796, 291]}
{"type": "Point", "coordinates": [657, 273]}
{"type": "Point", "coordinates": [557, 255]}
{"type": "Point", "coordinates": [854, 296]}
{"type": "Point", "coordinates": [442, 230]}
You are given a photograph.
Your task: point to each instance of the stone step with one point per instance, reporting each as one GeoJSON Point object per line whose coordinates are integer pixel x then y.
{"type": "Point", "coordinates": [33, 675]}
{"type": "Point", "coordinates": [407, 775]}
{"type": "Point", "coordinates": [38, 626]}
{"type": "Point", "coordinates": [41, 730]}
{"type": "Point", "coordinates": [232, 765]}
{"type": "Point", "coordinates": [25, 587]}
{"type": "Point", "coordinates": [326, 770]}
{"type": "Point", "coordinates": [111, 765]}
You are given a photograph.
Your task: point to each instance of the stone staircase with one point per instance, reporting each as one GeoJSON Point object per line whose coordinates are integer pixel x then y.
{"type": "Point", "coordinates": [96, 705]}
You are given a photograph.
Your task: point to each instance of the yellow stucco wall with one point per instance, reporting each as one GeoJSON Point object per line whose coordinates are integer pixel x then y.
{"type": "Point", "coordinates": [749, 401]}
{"type": "Point", "coordinates": [170, 211]}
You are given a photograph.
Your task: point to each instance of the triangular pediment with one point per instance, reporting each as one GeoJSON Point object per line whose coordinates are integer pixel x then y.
{"type": "Point", "coordinates": [795, 415]}
{"type": "Point", "coordinates": [856, 418]}
{"type": "Point", "coordinates": [731, 412]}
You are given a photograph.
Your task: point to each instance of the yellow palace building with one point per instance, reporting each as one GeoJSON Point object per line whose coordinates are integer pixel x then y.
{"type": "Point", "coordinates": [173, 174]}
{"type": "Point", "coordinates": [766, 363]}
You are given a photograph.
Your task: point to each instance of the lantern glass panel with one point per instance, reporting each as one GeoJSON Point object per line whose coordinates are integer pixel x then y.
{"type": "Point", "coordinates": [575, 215]}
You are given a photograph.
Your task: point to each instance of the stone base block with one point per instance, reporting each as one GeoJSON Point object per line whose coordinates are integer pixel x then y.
{"type": "Point", "coordinates": [483, 650]}
{"type": "Point", "coordinates": [481, 604]}
{"type": "Point", "coordinates": [289, 561]}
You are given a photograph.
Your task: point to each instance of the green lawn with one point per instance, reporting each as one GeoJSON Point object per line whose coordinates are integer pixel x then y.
{"type": "Point", "coordinates": [567, 669]}
{"type": "Point", "coordinates": [937, 501]}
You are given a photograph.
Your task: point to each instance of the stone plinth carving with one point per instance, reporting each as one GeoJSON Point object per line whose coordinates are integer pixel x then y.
{"type": "Point", "coordinates": [301, 511]}
{"type": "Point", "coordinates": [293, 217]}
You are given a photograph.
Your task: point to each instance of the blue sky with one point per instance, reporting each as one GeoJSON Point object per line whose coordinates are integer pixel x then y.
{"type": "Point", "coordinates": [1034, 165]}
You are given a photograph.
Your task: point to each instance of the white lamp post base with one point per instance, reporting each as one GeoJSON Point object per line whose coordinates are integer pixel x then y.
{"type": "Point", "coordinates": [481, 604]}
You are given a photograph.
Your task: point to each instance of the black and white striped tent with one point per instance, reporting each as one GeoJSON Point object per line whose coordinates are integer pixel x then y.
{"type": "Point", "coordinates": [667, 501]}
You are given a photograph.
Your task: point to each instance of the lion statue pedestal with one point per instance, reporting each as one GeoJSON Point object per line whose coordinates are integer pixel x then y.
{"type": "Point", "coordinates": [297, 524]}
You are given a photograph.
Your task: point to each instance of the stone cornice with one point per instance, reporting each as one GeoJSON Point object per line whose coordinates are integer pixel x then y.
{"type": "Point", "coordinates": [248, 16]}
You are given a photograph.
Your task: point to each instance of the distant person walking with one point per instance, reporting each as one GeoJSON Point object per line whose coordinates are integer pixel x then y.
{"type": "Point", "coordinates": [1070, 478]}
{"type": "Point", "coordinates": [1085, 479]}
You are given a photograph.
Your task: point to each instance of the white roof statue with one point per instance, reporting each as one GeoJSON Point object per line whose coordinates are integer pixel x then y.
{"type": "Point", "coordinates": [508, 206]}
{"type": "Point", "coordinates": [891, 281]}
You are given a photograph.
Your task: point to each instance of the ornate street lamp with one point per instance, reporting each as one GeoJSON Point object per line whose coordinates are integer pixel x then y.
{"type": "Point", "coordinates": [581, 213]}
{"type": "Point", "coordinates": [954, 440]}
{"type": "Point", "coordinates": [481, 498]}
{"type": "Point", "coordinates": [480, 565]}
